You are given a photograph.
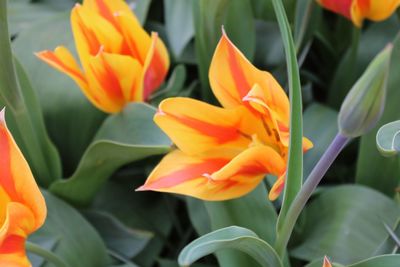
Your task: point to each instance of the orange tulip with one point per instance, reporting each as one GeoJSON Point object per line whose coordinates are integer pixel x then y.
{"type": "Point", "coordinates": [327, 263]}
{"type": "Point", "coordinates": [22, 206]}
{"type": "Point", "coordinates": [120, 62]}
{"type": "Point", "coordinates": [358, 10]}
{"type": "Point", "coordinates": [224, 153]}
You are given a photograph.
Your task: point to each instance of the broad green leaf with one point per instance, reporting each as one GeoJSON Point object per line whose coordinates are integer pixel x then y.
{"type": "Point", "coordinates": [24, 110]}
{"type": "Point", "coordinates": [346, 223]}
{"type": "Point", "coordinates": [147, 211]}
{"type": "Point", "coordinates": [24, 13]}
{"type": "Point", "coordinates": [253, 211]}
{"type": "Point", "coordinates": [234, 237]}
{"type": "Point", "coordinates": [294, 171]}
{"type": "Point", "coordinates": [388, 139]}
{"type": "Point", "coordinates": [384, 261]}
{"type": "Point", "coordinates": [70, 119]}
{"type": "Point", "coordinates": [118, 238]}
{"type": "Point", "coordinates": [209, 16]}
{"type": "Point", "coordinates": [125, 137]}
{"type": "Point", "coordinates": [373, 169]}
{"type": "Point", "coordinates": [174, 263]}
{"type": "Point", "coordinates": [389, 245]}
{"type": "Point", "coordinates": [198, 215]}
{"type": "Point", "coordinates": [320, 127]}
{"type": "Point", "coordinates": [78, 243]}
{"type": "Point", "coordinates": [179, 24]}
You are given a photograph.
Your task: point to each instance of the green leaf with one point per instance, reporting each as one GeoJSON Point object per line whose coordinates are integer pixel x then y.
{"type": "Point", "coordinates": [209, 16]}
{"type": "Point", "coordinates": [373, 169]}
{"type": "Point", "coordinates": [24, 13]}
{"type": "Point", "coordinates": [388, 139]}
{"type": "Point", "coordinates": [198, 215]}
{"type": "Point", "coordinates": [118, 238]}
{"type": "Point", "coordinates": [389, 245]}
{"type": "Point", "coordinates": [125, 137]}
{"type": "Point", "coordinates": [253, 211]}
{"type": "Point", "coordinates": [305, 22]}
{"type": "Point", "coordinates": [386, 261]}
{"type": "Point", "coordinates": [70, 119]}
{"type": "Point", "coordinates": [24, 111]}
{"type": "Point", "coordinates": [294, 171]}
{"type": "Point", "coordinates": [231, 237]}
{"type": "Point", "coordinates": [140, 8]}
{"type": "Point", "coordinates": [78, 243]}
{"type": "Point", "coordinates": [139, 210]}
{"type": "Point", "coordinates": [346, 223]}
{"type": "Point", "coordinates": [179, 24]}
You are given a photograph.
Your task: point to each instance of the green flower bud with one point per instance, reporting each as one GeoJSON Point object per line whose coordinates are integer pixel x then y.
{"type": "Point", "coordinates": [364, 104]}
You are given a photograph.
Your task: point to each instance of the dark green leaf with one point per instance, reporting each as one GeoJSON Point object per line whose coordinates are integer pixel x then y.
{"type": "Point", "coordinates": [346, 223]}
{"type": "Point", "coordinates": [388, 139]}
{"type": "Point", "coordinates": [123, 138]}
{"type": "Point", "coordinates": [78, 244]}
{"type": "Point", "coordinates": [384, 261]}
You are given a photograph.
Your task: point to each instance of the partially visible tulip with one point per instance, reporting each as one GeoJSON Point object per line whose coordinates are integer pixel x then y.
{"type": "Point", "coordinates": [327, 263]}
{"type": "Point", "coordinates": [225, 153]}
{"type": "Point", "coordinates": [358, 10]}
{"type": "Point", "coordinates": [22, 206]}
{"type": "Point", "coordinates": [120, 62]}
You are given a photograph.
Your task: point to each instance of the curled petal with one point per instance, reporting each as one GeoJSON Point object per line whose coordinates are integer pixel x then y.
{"type": "Point", "coordinates": [277, 188]}
{"type": "Point", "coordinates": [232, 76]}
{"type": "Point", "coordinates": [22, 206]}
{"type": "Point", "coordinates": [113, 80]}
{"type": "Point", "coordinates": [375, 10]}
{"type": "Point", "coordinates": [195, 126]}
{"type": "Point", "coordinates": [215, 175]}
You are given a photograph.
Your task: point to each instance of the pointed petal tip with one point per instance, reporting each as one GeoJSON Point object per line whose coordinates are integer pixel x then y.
{"type": "Point", "coordinates": [223, 30]}
{"type": "Point", "coordinates": [141, 188]}
{"type": "Point", "coordinates": [3, 115]}
{"type": "Point", "coordinates": [327, 263]}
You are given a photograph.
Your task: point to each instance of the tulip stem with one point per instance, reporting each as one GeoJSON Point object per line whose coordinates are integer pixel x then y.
{"type": "Point", "coordinates": [45, 254]}
{"type": "Point", "coordinates": [307, 189]}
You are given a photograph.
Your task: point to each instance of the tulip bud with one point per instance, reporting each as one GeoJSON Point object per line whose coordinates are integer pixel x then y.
{"type": "Point", "coordinates": [364, 104]}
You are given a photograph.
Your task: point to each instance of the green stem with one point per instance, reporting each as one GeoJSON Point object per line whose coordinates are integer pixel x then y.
{"type": "Point", "coordinates": [306, 191]}
{"type": "Point", "coordinates": [45, 254]}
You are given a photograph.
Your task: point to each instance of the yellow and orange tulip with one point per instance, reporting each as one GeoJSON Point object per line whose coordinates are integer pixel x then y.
{"type": "Point", "coordinates": [326, 263]}
{"type": "Point", "coordinates": [120, 62]}
{"type": "Point", "coordinates": [22, 206]}
{"type": "Point", "coordinates": [358, 10]}
{"type": "Point", "coordinates": [224, 153]}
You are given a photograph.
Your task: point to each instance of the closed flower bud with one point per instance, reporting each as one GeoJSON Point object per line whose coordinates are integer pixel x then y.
{"type": "Point", "coordinates": [364, 104]}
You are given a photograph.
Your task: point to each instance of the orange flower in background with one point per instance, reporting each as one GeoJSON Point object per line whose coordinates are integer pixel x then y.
{"type": "Point", "coordinates": [120, 62]}
{"type": "Point", "coordinates": [358, 10]}
{"type": "Point", "coordinates": [224, 153]}
{"type": "Point", "coordinates": [22, 206]}
{"type": "Point", "coordinates": [327, 263]}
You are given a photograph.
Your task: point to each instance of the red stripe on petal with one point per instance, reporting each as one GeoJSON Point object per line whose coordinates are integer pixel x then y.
{"type": "Point", "coordinates": [190, 172]}
{"type": "Point", "coordinates": [12, 244]}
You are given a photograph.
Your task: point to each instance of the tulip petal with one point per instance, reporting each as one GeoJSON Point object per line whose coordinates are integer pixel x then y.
{"type": "Point", "coordinates": [91, 32]}
{"type": "Point", "coordinates": [213, 176]}
{"type": "Point", "coordinates": [277, 187]}
{"type": "Point", "coordinates": [114, 80]}
{"type": "Point", "coordinates": [155, 66]}
{"type": "Point", "coordinates": [195, 126]}
{"type": "Point", "coordinates": [341, 7]}
{"type": "Point", "coordinates": [232, 76]}
{"type": "Point", "coordinates": [374, 10]}
{"type": "Point", "coordinates": [327, 263]}
{"type": "Point", "coordinates": [137, 40]}
{"type": "Point", "coordinates": [23, 208]}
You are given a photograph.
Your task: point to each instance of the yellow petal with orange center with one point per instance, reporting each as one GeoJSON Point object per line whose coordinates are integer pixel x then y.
{"type": "Point", "coordinates": [92, 33]}
{"type": "Point", "coordinates": [215, 175]}
{"type": "Point", "coordinates": [195, 126]}
{"type": "Point", "coordinates": [23, 207]}
{"type": "Point", "coordinates": [232, 76]}
{"type": "Point", "coordinates": [113, 79]}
